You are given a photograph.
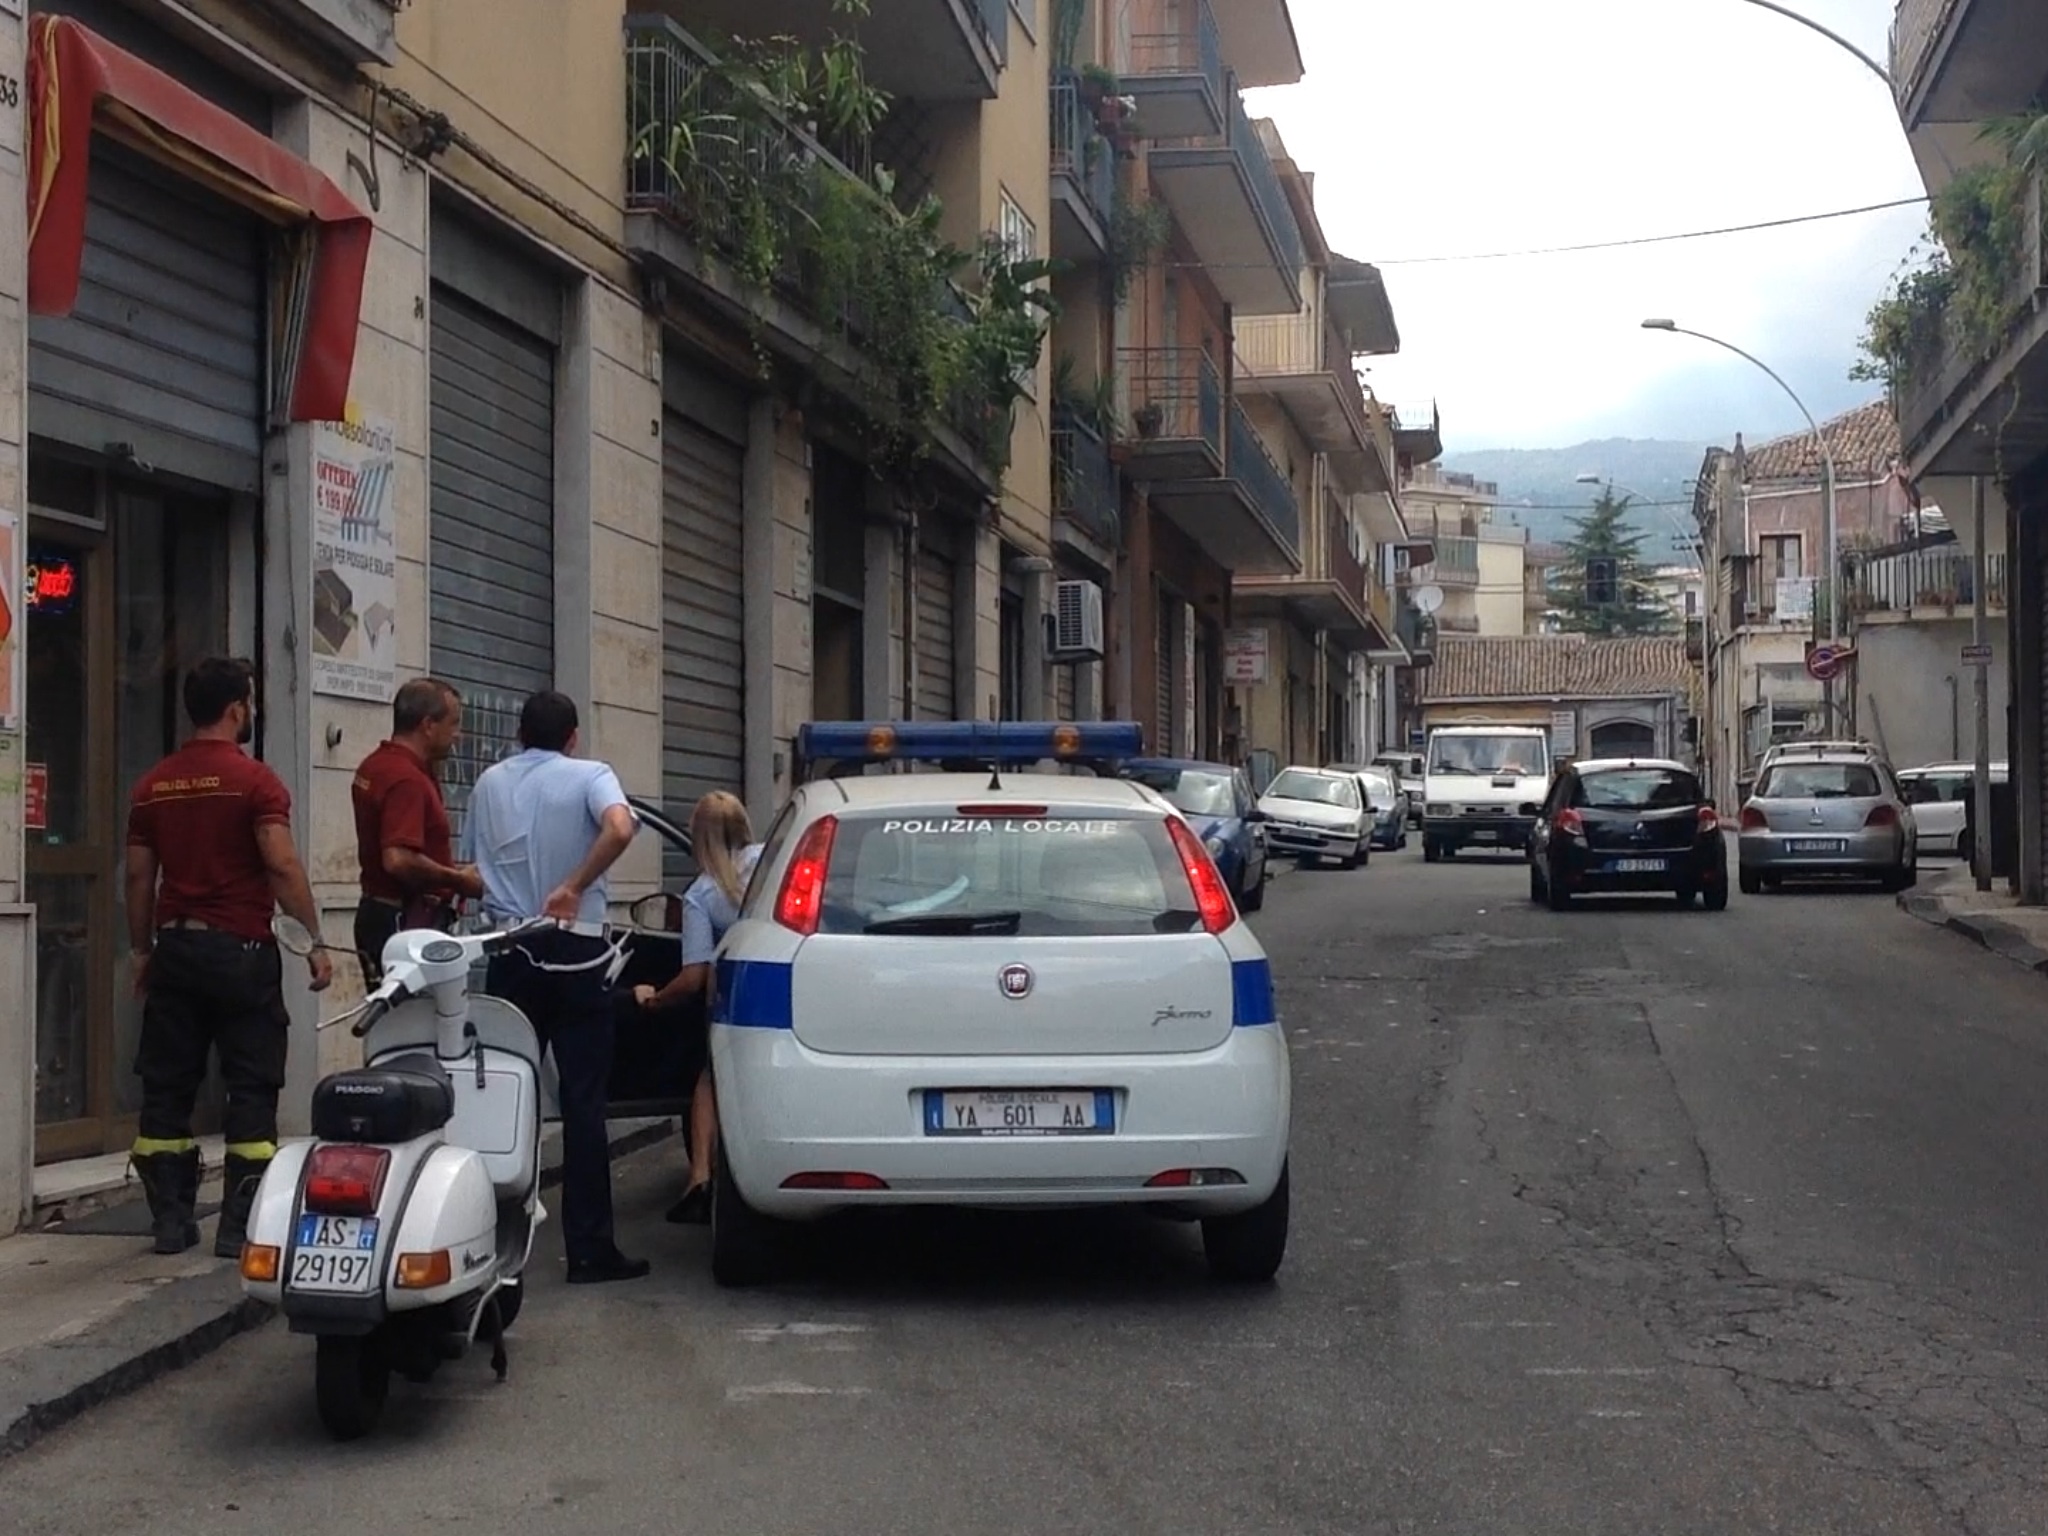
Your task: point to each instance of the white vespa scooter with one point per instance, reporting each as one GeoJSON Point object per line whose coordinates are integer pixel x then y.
{"type": "Point", "coordinates": [398, 1236]}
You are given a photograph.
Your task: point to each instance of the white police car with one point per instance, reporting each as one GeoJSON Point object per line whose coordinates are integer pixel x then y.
{"type": "Point", "coordinates": [993, 988]}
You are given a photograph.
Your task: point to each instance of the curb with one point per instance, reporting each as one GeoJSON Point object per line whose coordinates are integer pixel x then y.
{"type": "Point", "coordinates": [2006, 940]}
{"type": "Point", "coordinates": [50, 1385]}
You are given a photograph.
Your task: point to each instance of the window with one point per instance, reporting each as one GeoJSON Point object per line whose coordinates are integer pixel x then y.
{"type": "Point", "coordinates": [1191, 791]}
{"type": "Point", "coordinates": [1020, 241]}
{"type": "Point", "coordinates": [1523, 756]}
{"type": "Point", "coordinates": [1316, 788]}
{"type": "Point", "coordinates": [1638, 789]}
{"type": "Point", "coordinates": [1780, 556]}
{"type": "Point", "coordinates": [1820, 781]}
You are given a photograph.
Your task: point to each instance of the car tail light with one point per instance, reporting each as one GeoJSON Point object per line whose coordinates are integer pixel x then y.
{"type": "Point", "coordinates": [1710, 819]}
{"type": "Point", "coordinates": [1882, 816]}
{"type": "Point", "coordinates": [802, 898]}
{"type": "Point", "coordinates": [834, 1181]}
{"type": "Point", "coordinates": [1571, 823]}
{"type": "Point", "coordinates": [1753, 819]}
{"type": "Point", "coordinates": [345, 1181]}
{"type": "Point", "coordinates": [1212, 900]}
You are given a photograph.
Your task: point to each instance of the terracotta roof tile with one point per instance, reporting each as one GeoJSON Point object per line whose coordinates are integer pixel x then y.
{"type": "Point", "coordinates": [1865, 443]}
{"type": "Point", "coordinates": [1504, 667]}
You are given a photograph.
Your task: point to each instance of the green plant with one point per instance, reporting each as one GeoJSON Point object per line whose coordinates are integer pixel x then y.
{"type": "Point", "coordinates": [1139, 230]}
{"type": "Point", "coordinates": [1093, 404]}
{"type": "Point", "coordinates": [1098, 82]}
{"type": "Point", "coordinates": [1907, 320]}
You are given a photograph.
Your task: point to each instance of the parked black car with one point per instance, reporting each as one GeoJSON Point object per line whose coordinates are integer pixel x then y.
{"type": "Point", "coordinates": [1627, 824]}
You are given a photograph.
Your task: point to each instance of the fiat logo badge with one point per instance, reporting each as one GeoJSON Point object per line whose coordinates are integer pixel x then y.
{"type": "Point", "coordinates": [1015, 981]}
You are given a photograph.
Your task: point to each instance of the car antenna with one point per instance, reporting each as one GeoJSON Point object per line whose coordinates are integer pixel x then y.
{"type": "Point", "coordinates": [995, 780]}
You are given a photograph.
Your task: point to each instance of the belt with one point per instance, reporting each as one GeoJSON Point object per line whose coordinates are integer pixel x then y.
{"type": "Point", "coordinates": [196, 925]}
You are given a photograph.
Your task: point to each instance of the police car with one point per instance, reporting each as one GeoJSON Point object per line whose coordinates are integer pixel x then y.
{"type": "Point", "coordinates": [996, 988]}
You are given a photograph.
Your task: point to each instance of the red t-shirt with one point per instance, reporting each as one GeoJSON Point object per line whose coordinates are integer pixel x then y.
{"type": "Point", "coordinates": [398, 805]}
{"type": "Point", "coordinates": [198, 811]}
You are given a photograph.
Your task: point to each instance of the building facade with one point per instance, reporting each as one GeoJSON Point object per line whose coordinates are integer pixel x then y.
{"type": "Point", "coordinates": [1632, 697]}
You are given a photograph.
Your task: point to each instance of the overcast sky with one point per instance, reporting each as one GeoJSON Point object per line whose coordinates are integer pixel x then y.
{"type": "Point", "coordinates": [1443, 127]}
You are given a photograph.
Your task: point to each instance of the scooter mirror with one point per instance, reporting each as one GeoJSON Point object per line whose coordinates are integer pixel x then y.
{"type": "Point", "coordinates": [658, 913]}
{"type": "Point", "coordinates": [292, 935]}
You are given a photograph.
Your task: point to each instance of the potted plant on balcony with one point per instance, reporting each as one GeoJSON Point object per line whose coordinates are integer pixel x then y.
{"type": "Point", "coordinates": [1149, 419]}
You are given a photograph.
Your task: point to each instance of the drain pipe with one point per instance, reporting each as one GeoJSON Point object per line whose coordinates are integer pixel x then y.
{"type": "Point", "coordinates": [911, 523]}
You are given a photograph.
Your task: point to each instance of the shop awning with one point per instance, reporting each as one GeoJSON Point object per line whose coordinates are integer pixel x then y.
{"type": "Point", "coordinates": [79, 83]}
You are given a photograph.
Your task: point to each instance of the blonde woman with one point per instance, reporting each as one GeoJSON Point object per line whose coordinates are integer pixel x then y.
{"type": "Point", "coordinates": [722, 842]}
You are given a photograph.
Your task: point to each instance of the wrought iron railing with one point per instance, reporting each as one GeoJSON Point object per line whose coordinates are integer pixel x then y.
{"type": "Point", "coordinates": [1916, 27]}
{"type": "Point", "coordinates": [1266, 189]}
{"type": "Point", "coordinates": [1079, 152]}
{"type": "Point", "coordinates": [1084, 478]}
{"type": "Point", "coordinates": [1173, 393]}
{"type": "Point", "coordinates": [1161, 39]}
{"type": "Point", "coordinates": [1942, 577]}
{"type": "Point", "coordinates": [1267, 485]}
{"type": "Point", "coordinates": [1340, 565]}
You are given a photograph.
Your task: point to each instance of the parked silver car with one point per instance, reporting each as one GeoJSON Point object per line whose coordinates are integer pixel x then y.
{"type": "Point", "coordinates": [1826, 813]}
{"type": "Point", "coordinates": [1312, 814]}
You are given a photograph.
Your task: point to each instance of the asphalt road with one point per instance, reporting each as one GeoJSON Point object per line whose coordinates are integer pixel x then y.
{"type": "Point", "coordinates": [1623, 1221]}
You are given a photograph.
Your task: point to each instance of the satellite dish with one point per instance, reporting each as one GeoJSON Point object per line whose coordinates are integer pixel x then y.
{"type": "Point", "coordinates": [1428, 599]}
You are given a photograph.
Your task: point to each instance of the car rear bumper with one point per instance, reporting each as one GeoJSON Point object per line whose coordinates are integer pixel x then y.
{"type": "Point", "coordinates": [785, 1110]}
{"type": "Point", "coordinates": [1618, 869]}
{"type": "Point", "coordinates": [1822, 852]}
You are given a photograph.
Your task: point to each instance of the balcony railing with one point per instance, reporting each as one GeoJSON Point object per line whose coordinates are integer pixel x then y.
{"type": "Point", "coordinates": [1079, 151]}
{"type": "Point", "coordinates": [1153, 44]}
{"type": "Point", "coordinates": [1916, 28]}
{"type": "Point", "coordinates": [1265, 483]}
{"type": "Point", "coordinates": [1266, 189]}
{"type": "Point", "coordinates": [1942, 577]}
{"type": "Point", "coordinates": [1458, 623]}
{"type": "Point", "coordinates": [1379, 601]}
{"type": "Point", "coordinates": [1339, 563]}
{"type": "Point", "coordinates": [992, 18]}
{"type": "Point", "coordinates": [1084, 478]}
{"type": "Point", "coordinates": [1173, 393]}
{"type": "Point", "coordinates": [1414, 629]}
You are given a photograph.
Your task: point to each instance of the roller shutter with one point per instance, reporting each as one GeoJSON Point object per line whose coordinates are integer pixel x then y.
{"type": "Point", "coordinates": [164, 350]}
{"type": "Point", "coordinates": [703, 731]}
{"type": "Point", "coordinates": [936, 651]}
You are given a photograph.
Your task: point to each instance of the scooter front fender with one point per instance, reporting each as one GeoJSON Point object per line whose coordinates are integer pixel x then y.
{"type": "Point", "coordinates": [270, 1219]}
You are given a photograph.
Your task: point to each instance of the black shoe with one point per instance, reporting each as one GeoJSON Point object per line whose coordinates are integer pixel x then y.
{"type": "Point", "coordinates": [170, 1182]}
{"type": "Point", "coordinates": [604, 1271]}
{"type": "Point", "coordinates": [694, 1209]}
{"type": "Point", "coordinates": [239, 1178]}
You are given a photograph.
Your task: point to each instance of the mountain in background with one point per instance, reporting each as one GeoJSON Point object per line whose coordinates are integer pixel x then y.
{"type": "Point", "coordinates": [1539, 487]}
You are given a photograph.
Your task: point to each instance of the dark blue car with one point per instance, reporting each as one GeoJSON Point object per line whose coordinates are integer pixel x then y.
{"type": "Point", "coordinates": [1218, 802]}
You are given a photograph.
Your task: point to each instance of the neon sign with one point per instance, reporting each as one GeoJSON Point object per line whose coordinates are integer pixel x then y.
{"type": "Point", "coordinates": [52, 583]}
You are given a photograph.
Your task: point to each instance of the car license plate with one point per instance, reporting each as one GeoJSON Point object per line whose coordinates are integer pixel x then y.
{"type": "Point", "coordinates": [1817, 845]}
{"type": "Point", "coordinates": [1019, 1112]}
{"type": "Point", "coordinates": [1484, 835]}
{"type": "Point", "coordinates": [334, 1253]}
{"type": "Point", "coordinates": [1638, 866]}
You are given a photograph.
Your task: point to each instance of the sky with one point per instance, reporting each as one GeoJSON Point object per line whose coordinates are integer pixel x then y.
{"type": "Point", "coordinates": [1446, 127]}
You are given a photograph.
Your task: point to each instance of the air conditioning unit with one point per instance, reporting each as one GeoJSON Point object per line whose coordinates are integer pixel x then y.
{"type": "Point", "coordinates": [1077, 621]}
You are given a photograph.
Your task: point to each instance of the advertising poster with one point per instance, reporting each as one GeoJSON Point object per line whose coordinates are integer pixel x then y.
{"type": "Point", "coordinates": [355, 562]}
{"type": "Point", "coordinates": [1245, 653]}
{"type": "Point", "coordinates": [13, 617]}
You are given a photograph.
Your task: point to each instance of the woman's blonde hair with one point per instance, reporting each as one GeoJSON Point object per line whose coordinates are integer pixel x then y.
{"type": "Point", "coordinates": [719, 830]}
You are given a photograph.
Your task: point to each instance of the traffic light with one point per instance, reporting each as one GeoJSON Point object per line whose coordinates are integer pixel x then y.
{"type": "Point", "coordinates": [1603, 581]}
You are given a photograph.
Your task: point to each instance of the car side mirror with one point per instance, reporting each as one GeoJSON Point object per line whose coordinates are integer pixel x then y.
{"type": "Point", "coordinates": [658, 913]}
{"type": "Point", "coordinates": [1255, 814]}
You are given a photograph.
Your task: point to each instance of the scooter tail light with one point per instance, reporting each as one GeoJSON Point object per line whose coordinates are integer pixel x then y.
{"type": "Point", "coordinates": [1212, 899]}
{"type": "Point", "coordinates": [801, 901]}
{"type": "Point", "coordinates": [424, 1271]}
{"type": "Point", "coordinates": [346, 1180]}
{"type": "Point", "coordinates": [260, 1263]}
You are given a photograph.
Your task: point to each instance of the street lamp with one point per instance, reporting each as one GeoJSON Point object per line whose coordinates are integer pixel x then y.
{"type": "Point", "coordinates": [1831, 579]}
{"type": "Point", "coordinates": [1834, 37]}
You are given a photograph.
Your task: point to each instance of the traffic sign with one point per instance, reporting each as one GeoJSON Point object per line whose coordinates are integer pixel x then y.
{"type": "Point", "coordinates": [1825, 662]}
{"type": "Point", "coordinates": [1976, 655]}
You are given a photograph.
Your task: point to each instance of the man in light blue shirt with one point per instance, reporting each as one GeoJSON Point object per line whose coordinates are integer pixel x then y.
{"type": "Point", "coordinates": [543, 828]}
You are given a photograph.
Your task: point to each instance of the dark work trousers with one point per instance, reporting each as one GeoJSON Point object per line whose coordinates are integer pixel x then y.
{"type": "Point", "coordinates": [376, 922]}
{"type": "Point", "coordinates": [571, 1011]}
{"type": "Point", "coordinates": [210, 991]}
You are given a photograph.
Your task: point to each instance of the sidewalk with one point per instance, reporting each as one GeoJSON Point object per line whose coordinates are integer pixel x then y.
{"type": "Point", "coordinates": [88, 1313]}
{"type": "Point", "coordinates": [1991, 918]}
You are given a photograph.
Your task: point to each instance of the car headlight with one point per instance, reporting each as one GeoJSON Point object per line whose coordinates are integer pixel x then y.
{"type": "Point", "coordinates": [1215, 845]}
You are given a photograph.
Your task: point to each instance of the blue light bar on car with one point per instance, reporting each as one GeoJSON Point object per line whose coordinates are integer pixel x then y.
{"type": "Point", "coordinates": [975, 741]}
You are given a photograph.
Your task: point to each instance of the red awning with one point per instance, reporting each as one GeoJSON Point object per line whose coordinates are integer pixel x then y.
{"type": "Point", "coordinates": [78, 82]}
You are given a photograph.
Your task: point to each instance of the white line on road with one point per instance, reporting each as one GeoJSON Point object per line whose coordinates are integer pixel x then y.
{"type": "Point", "coordinates": [1587, 1370]}
{"type": "Point", "coordinates": [768, 1333]}
{"type": "Point", "coordinates": [769, 1389]}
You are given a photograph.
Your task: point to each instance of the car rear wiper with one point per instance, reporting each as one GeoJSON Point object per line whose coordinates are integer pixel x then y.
{"type": "Point", "coordinates": [995, 924]}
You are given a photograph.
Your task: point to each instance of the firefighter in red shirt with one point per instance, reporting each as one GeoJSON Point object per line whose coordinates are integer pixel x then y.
{"type": "Point", "coordinates": [210, 859]}
{"type": "Point", "coordinates": [403, 845]}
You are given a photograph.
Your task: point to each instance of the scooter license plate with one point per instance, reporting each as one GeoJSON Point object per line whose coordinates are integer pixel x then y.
{"type": "Point", "coordinates": [334, 1254]}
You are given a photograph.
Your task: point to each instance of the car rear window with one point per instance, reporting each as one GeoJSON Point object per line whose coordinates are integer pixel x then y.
{"type": "Point", "coordinates": [935, 873]}
{"type": "Point", "coordinates": [1190, 790]}
{"type": "Point", "coordinates": [1320, 789]}
{"type": "Point", "coordinates": [1820, 781]}
{"type": "Point", "coordinates": [1637, 789]}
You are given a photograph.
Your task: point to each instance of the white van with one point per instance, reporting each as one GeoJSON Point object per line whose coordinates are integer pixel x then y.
{"type": "Point", "coordinates": [1483, 786]}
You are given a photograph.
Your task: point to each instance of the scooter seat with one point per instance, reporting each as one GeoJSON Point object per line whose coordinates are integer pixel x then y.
{"type": "Point", "coordinates": [396, 1101]}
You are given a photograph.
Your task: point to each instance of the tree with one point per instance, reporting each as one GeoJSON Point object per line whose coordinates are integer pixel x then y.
{"type": "Point", "coordinates": [1622, 597]}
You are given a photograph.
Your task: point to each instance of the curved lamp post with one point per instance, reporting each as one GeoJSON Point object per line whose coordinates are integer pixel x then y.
{"type": "Point", "coordinates": [1831, 578]}
{"type": "Point", "coordinates": [1832, 36]}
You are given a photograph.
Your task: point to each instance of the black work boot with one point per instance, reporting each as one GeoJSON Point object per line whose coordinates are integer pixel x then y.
{"type": "Point", "coordinates": [239, 1178]}
{"type": "Point", "coordinates": [170, 1182]}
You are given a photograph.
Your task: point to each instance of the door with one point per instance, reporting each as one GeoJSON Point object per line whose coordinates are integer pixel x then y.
{"type": "Point", "coordinates": [936, 652]}
{"type": "Point", "coordinates": [491, 540]}
{"type": "Point", "coordinates": [1623, 738]}
{"type": "Point", "coordinates": [703, 669]}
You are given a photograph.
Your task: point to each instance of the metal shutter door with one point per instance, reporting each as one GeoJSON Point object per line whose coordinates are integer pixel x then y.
{"type": "Point", "coordinates": [935, 649]}
{"type": "Point", "coordinates": [164, 350]}
{"type": "Point", "coordinates": [1164, 744]}
{"type": "Point", "coordinates": [491, 545]}
{"type": "Point", "coordinates": [703, 694]}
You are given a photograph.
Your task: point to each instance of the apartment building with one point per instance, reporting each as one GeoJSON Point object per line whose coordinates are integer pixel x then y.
{"type": "Point", "coordinates": [1971, 359]}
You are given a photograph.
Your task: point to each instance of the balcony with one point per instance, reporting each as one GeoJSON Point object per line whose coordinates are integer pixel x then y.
{"type": "Point", "coordinates": [1086, 490]}
{"type": "Point", "coordinates": [715, 175]}
{"type": "Point", "coordinates": [1416, 632]}
{"type": "Point", "coordinates": [927, 50]}
{"type": "Point", "coordinates": [1458, 623]}
{"type": "Point", "coordinates": [1083, 176]}
{"type": "Point", "coordinates": [1259, 45]}
{"type": "Point", "coordinates": [1307, 369]}
{"type": "Point", "coordinates": [1335, 595]}
{"type": "Point", "coordinates": [1456, 564]}
{"type": "Point", "coordinates": [1356, 297]}
{"type": "Point", "coordinates": [1939, 581]}
{"type": "Point", "coordinates": [1967, 61]}
{"type": "Point", "coordinates": [1418, 433]}
{"type": "Point", "coordinates": [1173, 400]}
{"type": "Point", "coordinates": [1270, 495]}
{"type": "Point", "coordinates": [1170, 62]}
{"type": "Point", "coordinates": [1972, 403]}
{"type": "Point", "coordinates": [1227, 197]}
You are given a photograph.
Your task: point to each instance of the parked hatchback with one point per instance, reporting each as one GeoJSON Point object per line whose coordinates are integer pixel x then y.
{"type": "Point", "coordinates": [1830, 814]}
{"type": "Point", "coordinates": [1385, 800]}
{"type": "Point", "coordinates": [1313, 814]}
{"type": "Point", "coordinates": [1613, 825]}
{"type": "Point", "coordinates": [1939, 797]}
{"type": "Point", "coordinates": [1218, 802]}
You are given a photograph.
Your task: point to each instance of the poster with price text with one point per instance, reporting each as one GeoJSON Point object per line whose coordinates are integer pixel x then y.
{"type": "Point", "coordinates": [355, 562]}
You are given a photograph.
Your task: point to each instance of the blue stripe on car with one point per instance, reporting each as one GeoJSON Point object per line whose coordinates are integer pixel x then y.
{"type": "Point", "coordinates": [1251, 994]}
{"type": "Point", "coordinates": [754, 994]}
